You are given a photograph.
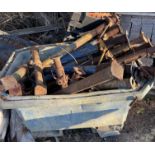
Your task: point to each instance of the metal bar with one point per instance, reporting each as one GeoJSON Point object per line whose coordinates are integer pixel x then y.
{"type": "Point", "coordinates": [86, 69]}
{"type": "Point", "coordinates": [136, 44]}
{"type": "Point", "coordinates": [62, 78]}
{"type": "Point", "coordinates": [130, 56]}
{"type": "Point", "coordinates": [112, 31]}
{"type": "Point", "coordinates": [87, 37]}
{"type": "Point", "coordinates": [40, 88]}
{"type": "Point", "coordinates": [117, 40]}
{"type": "Point", "coordinates": [11, 82]}
{"type": "Point", "coordinates": [20, 73]}
{"type": "Point", "coordinates": [120, 49]}
{"type": "Point", "coordinates": [78, 43]}
{"type": "Point", "coordinates": [48, 63]}
{"type": "Point", "coordinates": [105, 74]}
{"type": "Point", "coordinates": [97, 78]}
{"type": "Point", "coordinates": [81, 41]}
{"type": "Point", "coordinates": [141, 41]}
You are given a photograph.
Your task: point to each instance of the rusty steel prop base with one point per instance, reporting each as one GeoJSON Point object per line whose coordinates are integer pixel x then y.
{"type": "Point", "coordinates": [9, 83]}
{"type": "Point", "coordinates": [40, 88]}
{"type": "Point", "coordinates": [62, 78]}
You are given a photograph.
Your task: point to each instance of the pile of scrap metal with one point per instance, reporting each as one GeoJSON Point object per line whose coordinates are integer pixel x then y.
{"type": "Point", "coordinates": [88, 83]}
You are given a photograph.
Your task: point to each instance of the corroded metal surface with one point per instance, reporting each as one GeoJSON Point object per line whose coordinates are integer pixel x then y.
{"type": "Point", "coordinates": [112, 31]}
{"type": "Point", "coordinates": [16, 90]}
{"type": "Point", "coordinates": [9, 83]}
{"type": "Point", "coordinates": [40, 88]}
{"type": "Point", "coordinates": [62, 78]}
{"type": "Point", "coordinates": [20, 73]}
{"type": "Point", "coordinates": [100, 77]}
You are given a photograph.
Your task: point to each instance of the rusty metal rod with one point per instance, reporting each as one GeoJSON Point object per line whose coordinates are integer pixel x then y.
{"type": "Point", "coordinates": [62, 78]}
{"type": "Point", "coordinates": [129, 57]}
{"type": "Point", "coordinates": [78, 43]}
{"type": "Point", "coordinates": [102, 15]}
{"type": "Point", "coordinates": [117, 40]}
{"type": "Point", "coordinates": [112, 31]}
{"type": "Point", "coordinates": [40, 88]}
{"type": "Point", "coordinates": [20, 73]}
{"type": "Point", "coordinates": [87, 37]}
{"type": "Point", "coordinates": [141, 39]}
{"type": "Point", "coordinates": [47, 63]}
{"type": "Point", "coordinates": [97, 78]}
{"type": "Point", "coordinates": [84, 39]}
{"type": "Point", "coordinates": [105, 74]}
{"type": "Point", "coordinates": [11, 82]}
{"type": "Point", "coordinates": [136, 44]}
{"type": "Point", "coordinates": [139, 43]}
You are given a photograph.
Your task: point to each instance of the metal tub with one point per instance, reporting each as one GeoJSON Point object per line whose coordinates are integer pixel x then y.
{"type": "Point", "coordinates": [48, 115]}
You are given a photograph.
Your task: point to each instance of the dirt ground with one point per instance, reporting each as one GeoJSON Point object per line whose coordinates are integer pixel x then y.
{"type": "Point", "coordinates": [140, 125]}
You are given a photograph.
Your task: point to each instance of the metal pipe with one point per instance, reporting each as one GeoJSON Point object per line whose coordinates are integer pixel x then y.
{"type": "Point", "coordinates": [112, 31]}
{"type": "Point", "coordinates": [81, 41]}
{"type": "Point", "coordinates": [86, 69]}
{"type": "Point", "coordinates": [62, 78]}
{"type": "Point", "coordinates": [130, 56]}
{"type": "Point", "coordinates": [141, 42]}
{"type": "Point", "coordinates": [87, 37]}
{"type": "Point", "coordinates": [117, 40]}
{"type": "Point", "coordinates": [20, 73]}
{"type": "Point", "coordinates": [106, 74]}
{"type": "Point", "coordinates": [11, 84]}
{"type": "Point", "coordinates": [136, 44]}
{"type": "Point", "coordinates": [48, 63]}
{"type": "Point", "coordinates": [40, 88]}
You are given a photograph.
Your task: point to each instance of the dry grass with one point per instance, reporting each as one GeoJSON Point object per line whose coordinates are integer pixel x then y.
{"type": "Point", "coordinates": [19, 20]}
